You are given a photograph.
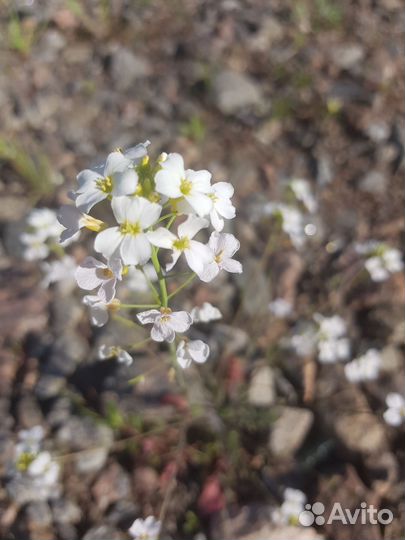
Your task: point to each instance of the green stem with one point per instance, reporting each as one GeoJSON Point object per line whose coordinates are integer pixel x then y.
{"type": "Point", "coordinates": [162, 281]}
{"type": "Point", "coordinates": [187, 282]}
{"type": "Point", "coordinates": [167, 216]}
{"type": "Point", "coordinates": [138, 306]}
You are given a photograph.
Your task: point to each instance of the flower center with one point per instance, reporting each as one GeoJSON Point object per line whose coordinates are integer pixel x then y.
{"type": "Point", "coordinates": [165, 314]}
{"type": "Point", "coordinates": [213, 197]}
{"type": "Point", "coordinates": [105, 184]}
{"type": "Point", "coordinates": [107, 273]}
{"type": "Point", "coordinates": [185, 186]}
{"type": "Point", "coordinates": [130, 228]}
{"type": "Point", "coordinates": [182, 243]}
{"type": "Point", "coordinates": [218, 257]}
{"type": "Point", "coordinates": [24, 461]}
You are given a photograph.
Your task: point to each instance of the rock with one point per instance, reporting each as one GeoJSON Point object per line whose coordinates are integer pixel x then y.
{"type": "Point", "coordinates": [256, 286]}
{"type": "Point", "coordinates": [111, 486]}
{"type": "Point", "coordinates": [374, 182]}
{"type": "Point", "coordinates": [103, 532]}
{"type": "Point", "coordinates": [67, 351]}
{"type": "Point", "coordinates": [66, 511]}
{"type": "Point", "coordinates": [49, 386]}
{"type": "Point", "coordinates": [261, 391]}
{"type": "Point", "coordinates": [59, 412]}
{"type": "Point", "coordinates": [392, 359]}
{"type": "Point", "coordinates": [91, 439]}
{"type": "Point", "coordinates": [126, 67]}
{"type": "Point", "coordinates": [38, 520]}
{"type": "Point", "coordinates": [233, 92]}
{"type": "Point", "coordinates": [29, 413]}
{"type": "Point", "coordinates": [361, 432]}
{"type": "Point", "coordinates": [289, 431]}
{"type": "Point", "coordinates": [347, 56]}
{"type": "Point", "coordinates": [123, 514]}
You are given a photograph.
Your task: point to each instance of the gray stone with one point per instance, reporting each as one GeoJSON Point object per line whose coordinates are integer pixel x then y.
{"type": "Point", "coordinates": [361, 432]}
{"type": "Point", "coordinates": [103, 532]}
{"type": "Point", "coordinates": [289, 431]}
{"type": "Point", "coordinates": [66, 511]}
{"type": "Point", "coordinates": [234, 92]}
{"type": "Point", "coordinates": [127, 67]}
{"type": "Point", "coordinates": [49, 386]}
{"type": "Point", "coordinates": [67, 351]}
{"type": "Point", "coordinates": [261, 391]}
{"type": "Point", "coordinates": [347, 56]}
{"type": "Point", "coordinates": [392, 359]}
{"type": "Point", "coordinates": [374, 182]}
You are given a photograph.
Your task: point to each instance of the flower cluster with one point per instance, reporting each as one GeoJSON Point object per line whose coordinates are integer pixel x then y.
{"type": "Point", "coordinates": [381, 260]}
{"type": "Point", "coordinates": [291, 507]}
{"type": "Point", "coordinates": [364, 368]}
{"type": "Point", "coordinates": [34, 474]}
{"type": "Point", "coordinates": [155, 211]}
{"type": "Point", "coordinates": [328, 339]}
{"type": "Point", "coordinates": [43, 231]}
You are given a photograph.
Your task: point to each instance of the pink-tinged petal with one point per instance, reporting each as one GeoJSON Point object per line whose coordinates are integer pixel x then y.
{"type": "Point", "coordinates": [191, 226]}
{"type": "Point", "coordinates": [106, 292]}
{"type": "Point", "coordinates": [135, 249]}
{"type": "Point", "coordinates": [125, 183]}
{"type": "Point", "coordinates": [162, 332]}
{"type": "Point", "coordinates": [85, 201]}
{"type": "Point", "coordinates": [150, 213]}
{"type": "Point", "coordinates": [116, 163]}
{"type": "Point", "coordinates": [107, 242]}
{"type": "Point", "coordinates": [223, 190]}
{"type": "Point", "coordinates": [161, 238]}
{"type": "Point", "coordinates": [209, 272]}
{"type": "Point", "coordinates": [201, 203]}
{"type": "Point", "coordinates": [148, 316]}
{"type": "Point", "coordinates": [180, 321]}
{"type": "Point", "coordinates": [201, 180]}
{"type": "Point", "coordinates": [233, 266]}
{"type": "Point", "coordinates": [175, 257]}
{"type": "Point", "coordinates": [87, 179]}
{"type": "Point", "coordinates": [199, 351]}
{"type": "Point", "coordinates": [120, 207]}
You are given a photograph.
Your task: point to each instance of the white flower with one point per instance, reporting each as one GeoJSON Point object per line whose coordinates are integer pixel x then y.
{"type": "Point", "coordinates": [206, 313]}
{"type": "Point", "coordinates": [136, 278]}
{"type": "Point", "coordinates": [292, 506]}
{"type": "Point", "coordinates": [129, 240]}
{"type": "Point", "coordinates": [105, 352]}
{"type": "Point", "coordinates": [395, 414]}
{"type": "Point", "coordinates": [93, 273]}
{"type": "Point", "coordinates": [98, 310]}
{"type": "Point", "coordinates": [223, 246]}
{"type": "Point", "coordinates": [196, 253]}
{"type": "Point", "coordinates": [44, 468]}
{"type": "Point", "coordinates": [281, 308]}
{"type": "Point", "coordinates": [73, 220]}
{"type": "Point", "coordinates": [385, 263]}
{"type": "Point", "coordinates": [29, 441]}
{"type": "Point", "coordinates": [59, 270]}
{"type": "Point", "coordinates": [221, 194]}
{"type": "Point", "coordinates": [145, 529]}
{"type": "Point", "coordinates": [189, 351]}
{"type": "Point", "coordinates": [364, 368]}
{"type": "Point", "coordinates": [44, 222]}
{"type": "Point", "coordinates": [175, 182]}
{"type": "Point", "coordinates": [302, 191]}
{"type": "Point", "coordinates": [304, 343]}
{"type": "Point", "coordinates": [118, 178]}
{"type": "Point", "coordinates": [36, 248]}
{"type": "Point", "coordinates": [332, 345]}
{"type": "Point", "coordinates": [292, 221]}
{"type": "Point", "coordinates": [165, 323]}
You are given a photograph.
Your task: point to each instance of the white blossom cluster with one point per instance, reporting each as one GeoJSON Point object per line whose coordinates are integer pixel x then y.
{"type": "Point", "coordinates": [327, 339]}
{"type": "Point", "coordinates": [291, 507]}
{"type": "Point", "coordinates": [381, 259]}
{"type": "Point", "coordinates": [154, 208]}
{"type": "Point", "coordinates": [364, 368]}
{"type": "Point", "coordinates": [43, 231]}
{"type": "Point", "coordinates": [34, 474]}
{"type": "Point", "coordinates": [145, 529]}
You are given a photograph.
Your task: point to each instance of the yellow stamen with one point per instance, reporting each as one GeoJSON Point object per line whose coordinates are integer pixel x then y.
{"type": "Point", "coordinates": [130, 228]}
{"type": "Point", "coordinates": [105, 184]}
{"type": "Point", "coordinates": [181, 244]}
{"type": "Point", "coordinates": [185, 186]}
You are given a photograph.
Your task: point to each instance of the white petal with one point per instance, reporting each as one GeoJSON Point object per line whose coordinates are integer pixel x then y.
{"type": "Point", "coordinates": [225, 209]}
{"type": "Point", "coordinates": [197, 256]}
{"type": "Point", "coordinates": [120, 207]}
{"type": "Point", "coordinates": [85, 201]}
{"type": "Point", "coordinates": [209, 272]}
{"type": "Point", "coordinates": [135, 249]}
{"type": "Point", "coordinates": [149, 316]}
{"type": "Point", "coordinates": [167, 184]}
{"type": "Point", "coordinates": [161, 238]}
{"type": "Point", "coordinates": [116, 163]}
{"type": "Point", "coordinates": [108, 241]}
{"type": "Point", "coordinates": [191, 226]}
{"type": "Point", "coordinates": [223, 190]}
{"type": "Point", "coordinates": [180, 321]}
{"type": "Point", "coordinates": [201, 180]}
{"type": "Point", "coordinates": [124, 357]}
{"type": "Point", "coordinates": [69, 216]}
{"type": "Point", "coordinates": [233, 266]}
{"type": "Point", "coordinates": [199, 351]}
{"type": "Point", "coordinates": [125, 183]}
{"type": "Point", "coordinates": [392, 417]}
{"type": "Point", "coordinates": [136, 153]}
{"type": "Point", "coordinates": [394, 400]}
{"type": "Point", "coordinates": [201, 203]}
{"type": "Point", "coordinates": [86, 274]}
{"type": "Point", "coordinates": [106, 292]}
{"type": "Point", "coordinates": [99, 315]}
{"type": "Point", "coordinates": [86, 179]}
{"type": "Point", "coordinates": [104, 352]}
{"type": "Point", "coordinates": [162, 332]}
{"type": "Point", "coordinates": [175, 257]}
{"type": "Point", "coordinates": [149, 214]}
{"type": "Point", "coordinates": [216, 221]}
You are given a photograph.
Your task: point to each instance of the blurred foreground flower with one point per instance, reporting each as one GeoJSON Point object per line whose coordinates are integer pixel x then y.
{"type": "Point", "coordinates": [145, 529]}
{"type": "Point", "coordinates": [395, 413]}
